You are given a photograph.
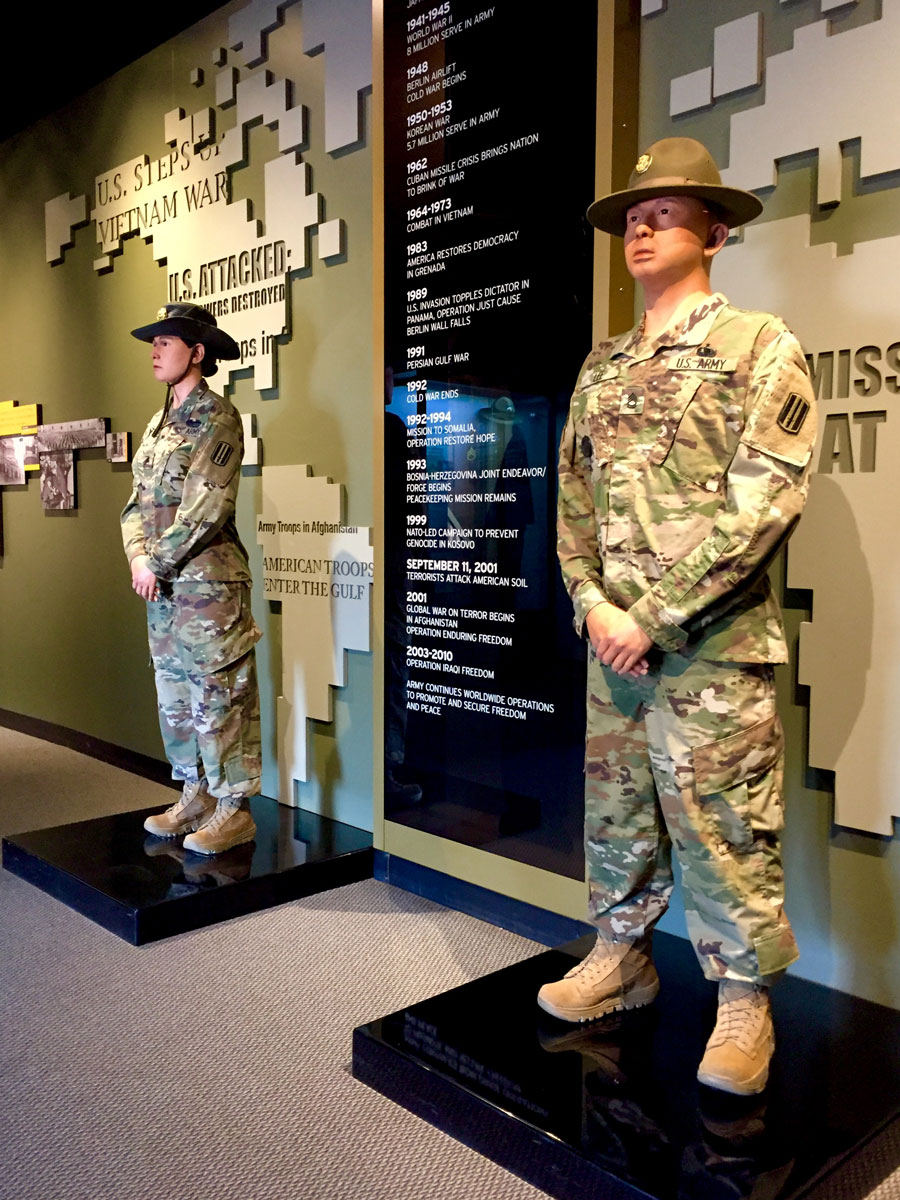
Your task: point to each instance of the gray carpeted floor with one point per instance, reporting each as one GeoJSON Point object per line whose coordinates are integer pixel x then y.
{"type": "Point", "coordinates": [215, 1065]}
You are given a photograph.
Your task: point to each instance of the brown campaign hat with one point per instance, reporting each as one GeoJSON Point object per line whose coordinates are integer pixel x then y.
{"type": "Point", "coordinates": [674, 167]}
{"type": "Point", "coordinates": [192, 324]}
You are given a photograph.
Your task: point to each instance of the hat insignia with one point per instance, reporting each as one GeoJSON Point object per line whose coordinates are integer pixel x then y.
{"type": "Point", "coordinates": [162, 314]}
{"type": "Point", "coordinates": [643, 163]}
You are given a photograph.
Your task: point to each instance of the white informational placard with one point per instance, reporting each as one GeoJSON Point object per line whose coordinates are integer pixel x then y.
{"type": "Point", "coordinates": [842, 306]}
{"type": "Point", "coordinates": [847, 546]}
{"type": "Point", "coordinates": [320, 570]}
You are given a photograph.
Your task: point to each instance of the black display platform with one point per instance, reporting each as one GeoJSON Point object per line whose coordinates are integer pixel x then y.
{"type": "Point", "coordinates": [144, 888]}
{"type": "Point", "coordinates": [613, 1109]}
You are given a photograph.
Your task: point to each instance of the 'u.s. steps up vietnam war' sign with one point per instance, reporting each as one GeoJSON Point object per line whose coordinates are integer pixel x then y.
{"type": "Point", "coordinates": [216, 253]}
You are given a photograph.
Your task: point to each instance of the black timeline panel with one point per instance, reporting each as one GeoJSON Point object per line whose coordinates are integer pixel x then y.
{"type": "Point", "coordinates": [489, 167]}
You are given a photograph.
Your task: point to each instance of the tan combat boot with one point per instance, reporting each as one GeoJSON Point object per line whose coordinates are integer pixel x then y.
{"type": "Point", "coordinates": [230, 825]}
{"type": "Point", "coordinates": [613, 977]}
{"type": "Point", "coordinates": [194, 806]}
{"type": "Point", "coordinates": [738, 1053]}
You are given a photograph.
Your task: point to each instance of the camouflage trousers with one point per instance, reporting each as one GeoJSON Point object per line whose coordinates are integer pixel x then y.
{"type": "Point", "coordinates": [689, 756]}
{"type": "Point", "coordinates": [201, 644]}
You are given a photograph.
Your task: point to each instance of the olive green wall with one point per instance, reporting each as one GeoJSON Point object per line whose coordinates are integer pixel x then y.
{"type": "Point", "coordinates": [73, 647]}
{"type": "Point", "coordinates": [72, 644]}
{"type": "Point", "coordinates": [843, 887]}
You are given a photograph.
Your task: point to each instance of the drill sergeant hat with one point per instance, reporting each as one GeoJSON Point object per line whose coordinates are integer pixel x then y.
{"type": "Point", "coordinates": [674, 167]}
{"type": "Point", "coordinates": [192, 324]}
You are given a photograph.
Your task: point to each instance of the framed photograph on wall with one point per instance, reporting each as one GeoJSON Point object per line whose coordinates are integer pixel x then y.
{"type": "Point", "coordinates": [12, 468]}
{"type": "Point", "coordinates": [118, 447]}
{"type": "Point", "coordinates": [58, 480]}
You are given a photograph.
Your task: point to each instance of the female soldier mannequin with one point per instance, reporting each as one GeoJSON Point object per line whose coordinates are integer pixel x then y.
{"type": "Point", "coordinates": [189, 565]}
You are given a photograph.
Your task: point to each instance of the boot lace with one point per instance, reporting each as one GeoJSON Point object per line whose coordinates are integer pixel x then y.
{"type": "Point", "coordinates": [217, 820]}
{"type": "Point", "coordinates": [598, 963]}
{"type": "Point", "coordinates": [740, 1021]}
{"type": "Point", "coordinates": [180, 805]}
{"type": "Point", "coordinates": [220, 816]}
{"type": "Point", "coordinates": [184, 800]}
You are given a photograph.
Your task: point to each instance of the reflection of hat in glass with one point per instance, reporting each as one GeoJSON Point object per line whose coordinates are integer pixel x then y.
{"type": "Point", "coordinates": [192, 324]}
{"type": "Point", "coordinates": [502, 411]}
{"type": "Point", "coordinates": [674, 167]}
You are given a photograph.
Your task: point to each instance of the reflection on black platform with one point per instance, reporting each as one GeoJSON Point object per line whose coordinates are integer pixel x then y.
{"type": "Point", "coordinates": [201, 871]}
{"type": "Point", "coordinates": [613, 1108]}
{"type": "Point", "coordinates": [730, 1153]}
{"type": "Point", "coordinates": [143, 887]}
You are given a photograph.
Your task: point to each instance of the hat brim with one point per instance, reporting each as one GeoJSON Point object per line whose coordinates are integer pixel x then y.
{"type": "Point", "coordinates": [215, 340]}
{"type": "Point", "coordinates": [736, 206]}
{"type": "Point", "coordinates": [501, 418]}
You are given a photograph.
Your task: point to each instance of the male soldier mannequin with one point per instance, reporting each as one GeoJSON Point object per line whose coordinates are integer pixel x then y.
{"type": "Point", "coordinates": [188, 562]}
{"type": "Point", "coordinates": [683, 467]}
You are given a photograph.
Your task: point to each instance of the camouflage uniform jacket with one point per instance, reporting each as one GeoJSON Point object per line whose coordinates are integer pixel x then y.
{"type": "Point", "coordinates": [683, 467]}
{"type": "Point", "coordinates": [186, 475]}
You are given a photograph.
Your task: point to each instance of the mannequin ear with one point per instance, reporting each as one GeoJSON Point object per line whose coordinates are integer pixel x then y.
{"type": "Point", "coordinates": [716, 238]}
{"type": "Point", "coordinates": [197, 353]}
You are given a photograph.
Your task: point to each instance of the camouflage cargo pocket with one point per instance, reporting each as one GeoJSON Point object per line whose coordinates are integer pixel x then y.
{"type": "Point", "coordinates": [738, 781]}
{"type": "Point", "coordinates": [176, 468]}
{"type": "Point", "coordinates": [596, 429]}
{"type": "Point", "coordinates": [706, 438]}
{"type": "Point", "coordinates": [215, 624]}
{"type": "Point", "coordinates": [666, 412]}
{"type": "Point", "coordinates": [166, 468]}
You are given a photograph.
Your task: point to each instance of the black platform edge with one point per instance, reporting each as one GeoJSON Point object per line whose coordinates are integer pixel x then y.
{"type": "Point", "coordinates": [832, 1095]}
{"type": "Point", "coordinates": [94, 747]}
{"type": "Point", "coordinates": [521, 1148]}
{"type": "Point", "coordinates": [71, 891]}
{"type": "Point", "coordinates": [254, 895]}
{"type": "Point", "coordinates": [516, 916]}
{"type": "Point", "coordinates": [140, 925]}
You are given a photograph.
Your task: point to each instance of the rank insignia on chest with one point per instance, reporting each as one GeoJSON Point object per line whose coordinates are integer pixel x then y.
{"type": "Point", "coordinates": [632, 401]}
{"type": "Point", "coordinates": [702, 361]}
{"type": "Point", "coordinates": [793, 413]}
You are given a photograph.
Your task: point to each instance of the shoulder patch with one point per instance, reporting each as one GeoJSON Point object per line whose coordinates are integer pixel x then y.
{"type": "Point", "coordinates": [781, 428]}
{"type": "Point", "coordinates": [222, 452]}
{"type": "Point", "coordinates": [219, 457]}
{"type": "Point", "coordinates": [793, 413]}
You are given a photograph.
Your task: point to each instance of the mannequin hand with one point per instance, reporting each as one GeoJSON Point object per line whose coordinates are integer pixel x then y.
{"type": "Point", "coordinates": [618, 640]}
{"type": "Point", "coordinates": [142, 578]}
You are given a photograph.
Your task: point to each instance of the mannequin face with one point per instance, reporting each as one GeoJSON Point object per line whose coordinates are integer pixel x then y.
{"type": "Point", "coordinates": [172, 358]}
{"type": "Point", "coordinates": [669, 238]}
